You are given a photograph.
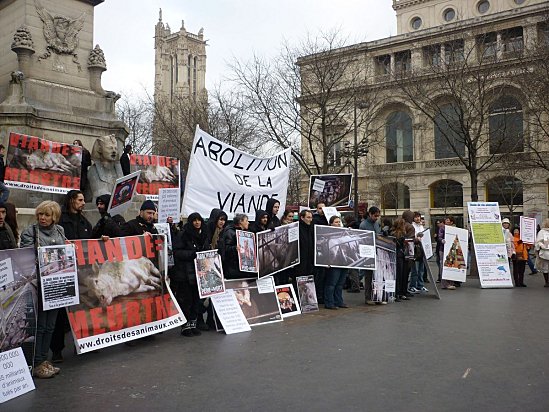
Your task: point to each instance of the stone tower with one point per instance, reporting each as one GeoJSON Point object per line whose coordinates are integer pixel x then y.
{"type": "Point", "coordinates": [50, 76]}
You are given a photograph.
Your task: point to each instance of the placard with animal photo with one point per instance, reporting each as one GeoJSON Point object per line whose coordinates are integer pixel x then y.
{"type": "Point", "coordinates": [307, 293]}
{"type": "Point", "coordinates": [332, 190]}
{"type": "Point", "coordinates": [384, 278]}
{"type": "Point", "coordinates": [42, 165]}
{"type": "Point", "coordinates": [122, 193]}
{"type": "Point", "coordinates": [18, 300]}
{"type": "Point", "coordinates": [245, 247]}
{"type": "Point", "coordinates": [209, 273]}
{"type": "Point", "coordinates": [278, 249]}
{"type": "Point", "coordinates": [157, 172]}
{"type": "Point", "coordinates": [123, 292]}
{"type": "Point", "coordinates": [287, 300]}
{"type": "Point", "coordinates": [258, 308]}
{"type": "Point", "coordinates": [58, 276]}
{"type": "Point", "coordinates": [345, 248]}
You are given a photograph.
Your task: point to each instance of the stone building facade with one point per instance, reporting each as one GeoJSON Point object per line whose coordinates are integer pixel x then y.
{"type": "Point", "coordinates": [409, 167]}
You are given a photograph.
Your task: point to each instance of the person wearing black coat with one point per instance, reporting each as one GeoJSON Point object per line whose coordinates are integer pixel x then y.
{"type": "Point", "coordinates": [306, 245]}
{"type": "Point", "coordinates": [125, 159]}
{"type": "Point", "coordinates": [228, 248]}
{"type": "Point", "coordinates": [144, 223]}
{"type": "Point", "coordinates": [85, 164]}
{"type": "Point", "coordinates": [187, 242]}
{"type": "Point", "coordinates": [261, 222]}
{"type": "Point", "coordinates": [319, 218]}
{"type": "Point", "coordinates": [216, 223]}
{"type": "Point", "coordinates": [107, 225]}
{"type": "Point", "coordinates": [272, 208]}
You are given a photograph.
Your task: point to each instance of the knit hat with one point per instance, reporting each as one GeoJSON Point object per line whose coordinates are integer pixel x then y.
{"type": "Point", "coordinates": [105, 199]}
{"type": "Point", "coordinates": [148, 205]}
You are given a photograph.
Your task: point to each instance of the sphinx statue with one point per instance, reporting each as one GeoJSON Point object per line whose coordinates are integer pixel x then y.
{"type": "Point", "coordinates": [106, 167]}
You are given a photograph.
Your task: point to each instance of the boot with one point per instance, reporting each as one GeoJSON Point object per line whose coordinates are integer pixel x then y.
{"type": "Point", "coordinates": [201, 325]}
{"type": "Point", "coordinates": [546, 277]}
{"type": "Point", "coordinates": [521, 280]}
{"type": "Point", "coordinates": [186, 330]}
{"type": "Point", "coordinates": [194, 329]}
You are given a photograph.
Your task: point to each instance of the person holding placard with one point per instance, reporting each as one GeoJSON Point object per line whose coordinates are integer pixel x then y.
{"type": "Point", "coordinates": [273, 206]}
{"type": "Point", "coordinates": [370, 223]}
{"type": "Point", "coordinates": [542, 249]}
{"type": "Point", "coordinates": [228, 248]}
{"type": "Point", "coordinates": [519, 259]}
{"type": "Point", "coordinates": [45, 232]}
{"type": "Point", "coordinates": [335, 279]}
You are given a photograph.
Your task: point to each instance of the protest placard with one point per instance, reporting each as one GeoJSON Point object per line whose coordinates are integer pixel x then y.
{"type": "Point", "coordinates": [157, 172]}
{"type": "Point", "coordinates": [58, 276]}
{"type": "Point", "coordinates": [307, 293]}
{"type": "Point", "coordinates": [287, 300]}
{"type": "Point", "coordinates": [209, 273]}
{"type": "Point", "coordinates": [278, 249]}
{"type": "Point", "coordinates": [42, 165]}
{"type": "Point", "coordinates": [528, 229]}
{"type": "Point", "coordinates": [164, 229]}
{"type": "Point", "coordinates": [123, 292]}
{"type": "Point", "coordinates": [229, 313]}
{"type": "Point", "coordinates": [384, 277]}
{"type": "Point", "coordinates": [168, 204]}
{"type": "Point", "coordinates": [344, 247]}
{"type": "Point", "coordinates": [426, 243]}
{"type": "Point", "coordinates": [247, 256]}
{"type": "Point", "coordinates": [15, 377]}
{"type": "Point", "coordinates": [236, 182]}
{"type": "Point", "coordinates": [456, 252]}
{"type": "Point", "coordinates": [122, 193]}
{"type": "Point", "coordinates": [332, 190]}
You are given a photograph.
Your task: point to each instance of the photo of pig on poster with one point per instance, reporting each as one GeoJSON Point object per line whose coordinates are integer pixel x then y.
{"type": "Point", "coordinates": [123, 293]}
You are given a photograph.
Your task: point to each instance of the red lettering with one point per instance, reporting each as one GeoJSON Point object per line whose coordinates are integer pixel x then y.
{"type": "Point", "coordinates": [96, 315]}
{"type": "Point", "coordinates": [133, 159]}
{"type": "Point", "coordinates": [132, 314]}
{"type": "Point", "coordinates": [160, 308]}
{"type": "Point", "coordinates": [35, 177]}
{"type": "Point", "coordinates": [80, 258]}
{"type": "Point", "coordinates": [113, 250]}
{"type": "Point", "coordinates": [115, 317]}
{"type": "Point", "coordinates": [146, 161]}
{"type": "Point", "coordinates": [79, 323]}
{"type": "Point", "coordinates": [149, 247]}
{"type": "Point", "coordinates": [66, 181]}
{"type": "Point", "coordinates": [148, 305]}
{"type": "Point", "coordinates": [15, 138]}
{"type": "Point", "coordinates": [133, 247]}
{"type": "Point", "coordinates": [95, 254]}
{"type": "Point", "coordinates": [34, 143]}
{"type": "Point", "coordinates": [45, 145]}
{"type": "Point", "coordinates": [172, 310]}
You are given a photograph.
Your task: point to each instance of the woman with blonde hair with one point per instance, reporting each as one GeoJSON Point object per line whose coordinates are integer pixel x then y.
{"type": "Point", "coordinates": [45, 232]}
{"type": "Point", "coordinates": [542, 251]}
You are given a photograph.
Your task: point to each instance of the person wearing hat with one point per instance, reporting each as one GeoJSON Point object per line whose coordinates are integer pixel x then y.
{"type": "Point", "coordinates": [144, 223]}
{"type": "Point", "coordinates": [107, 225]}
{"type": "Point", "coordinates": [508, 236]}
{"type": "Point", "coordinates": [7, 238]}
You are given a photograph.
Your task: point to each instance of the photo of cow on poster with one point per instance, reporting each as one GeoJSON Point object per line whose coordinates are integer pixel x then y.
{"type": "Point", "coordinates": [384, 279]}
{"type": "Point", "coordinates": [345, 248]}
{"type": "Point", "coordinates": [258, 308]}
{"type": "Point", "coordinates": [278, 249]}
{"type": "Point", "coordinates": [18, 300]}
{"type": "Point", "coordinates": [247, 257]}
{"type": "Point", "coordinates": [332, 190]}
{"type": "Point", "coordinates": [123, 293]}
{"type": "Point", "coordinates": [157, 172]}
{"type": "Point", "coordinates": [209, 273]}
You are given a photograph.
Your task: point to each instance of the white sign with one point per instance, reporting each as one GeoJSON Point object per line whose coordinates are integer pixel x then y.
{"type": "Point", "coordinates": [318, 185]}
{"type": "Point", "coordinates": [58, 276]}
{"type": "Point", "coordinates": [367, 251]}
{"type": "Point", "coordinates": [490, 249]}
{"type": "Point", "coordinates": [528, 229]}
{"type": "Point", "coordinates": [265, 285]}
{"type": "Point", "coordinates": [221, 176]}
{"type": "Point", "coordinates": [230, 313]}
{"type": "Point", "coordinates": [426, 243]}
{"type": "Point", "coordinates": [293, 234]}
{"type": "Point", "coordinates": [168, 204]}
{"type": "Point", "coordinates": [330, 211]}
{"type": "Point", "coordinates": [15, 378]}
{"type": "Point", "coordinates": [6, 272]}
{"type": "Point", "coordinates": [164, 229]}
{"type": "Point", "coordinates": [454, 261]}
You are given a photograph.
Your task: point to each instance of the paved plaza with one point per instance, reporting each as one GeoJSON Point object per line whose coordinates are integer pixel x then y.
{"type": "Point", "coordinates": [485, 350]}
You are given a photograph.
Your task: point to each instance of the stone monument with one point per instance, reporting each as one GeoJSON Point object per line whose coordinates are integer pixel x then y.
{"type": "Point", "coordinates": [50, 78]}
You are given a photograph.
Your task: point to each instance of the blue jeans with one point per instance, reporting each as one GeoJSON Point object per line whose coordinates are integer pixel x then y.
{"type": "Point", "coordinates": [333, 286]}
{"type": "Point", "coordinates": [45, 326]}
{"type": "Point", "coordinates": [4, 192]}
{"type": "Point", "coordinates": [416, 275]}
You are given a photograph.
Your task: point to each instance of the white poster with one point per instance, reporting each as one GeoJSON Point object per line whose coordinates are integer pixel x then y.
{"type": "Point", "coordinates": [528, 229]}
{"type": "Point", "coordinates": [490, 250]}
{"type": "Point", "coordinates": [15, 378]}
{"type": "Point", "coordinates": [168, 204]}
{"type": "Point", "coordinates": [58, 276]}
{"type": "Point", "coordinates": [6, 272]}
{"type": "Point", "coordinates": [164, 229]}
{"type": "Point", "coordinates": [331, 211]}
{"type": "Point", "coordinates": [229, 313]}
{"type": "Point", "coordinates": [221, 176]}
{"type": "Point", "coordinates": [454, 261]}
{"type": "Point", "coordinates": [426, 243]}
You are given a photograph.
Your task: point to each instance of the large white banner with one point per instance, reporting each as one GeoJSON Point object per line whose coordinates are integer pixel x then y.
{"type": "Point", "coordinates": [221, 176]}
{"type": "Point", "coordinates": [490, 250]}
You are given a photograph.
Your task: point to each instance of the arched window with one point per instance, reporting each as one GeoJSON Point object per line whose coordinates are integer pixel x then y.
{"type": "Point", "coordinates": [399, 138]}
{"type": "Point", "coordinates": [449, 140]}
{"type": "Point", "coordinates": [195, 67]}
{"type": "Point", "coordinates": [506, 190]}
{"type": "Point", "coordinates": [395, 196]}
{"type": "Point", "coordinates": [189, 64]}
{"type": "Point", "coordinates": [506, 128]}
{"type": "Point", "coordinates": [176, 68]}
{"type": "Point", "coordinates": [446, 194]}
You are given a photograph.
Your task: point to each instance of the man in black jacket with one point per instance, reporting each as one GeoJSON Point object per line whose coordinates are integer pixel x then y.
{"type": "Point", "coordinates": [306, 245]}
{"type": "Point", "coordinates": [228, 248]}
{"type": "Point", "coordinates": [76, 227]}
{"type": "Point", "coordinates": [7, 239]}
{"type": "Point", "coordinates": [144, 223]}
{"type": "Point", "coordinates": [107, 225]}
{"type": "Point", "coordinates": [125, 159]}
{"type": "Point", "coordinates": [4, 191]}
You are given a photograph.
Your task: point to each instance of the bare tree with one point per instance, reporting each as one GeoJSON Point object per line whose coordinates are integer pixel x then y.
{"type": "Point", "coordinates": [136, 113]}
{"type": "Point", "coordinates": [456, 91]}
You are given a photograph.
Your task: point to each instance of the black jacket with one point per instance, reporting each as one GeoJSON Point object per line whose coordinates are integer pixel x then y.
{"type": "Point", "coordinates": [7, 239]}
{"type": "Point", "coordinates": [256, 225]}
{"type": "Point", "coordinates": [215, 215]}
{"type": "Point", "coordinates": [76, 226]}
{"type": "Point", "coordinates": [306, 249]}
{"type": "Point", "coordinates": [229, 254]}
{"type": "Point", "coordinates": [274, 221]}
{"type": "Point", "coordinates": [319, 219]}
{"type": "Point", "coordinates": [137, 227]}
{"type": "Point", "coordinates": [125, 163]}
{"type": "Point", "coordinates": [2, 168]}
{"type": "Point", "coordinates": [185, 244]}
{"type": "Point", "coordinates": [108, 226]}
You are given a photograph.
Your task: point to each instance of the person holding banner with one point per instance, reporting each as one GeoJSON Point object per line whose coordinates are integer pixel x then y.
{"type": "Point", "coordinates": [45, 232]}
{"type": "Point", "coordinates": [106, 225]}
{"type": "Point", "coordinates": [261, 222]}
{"type": "Point", "coordinates": [370, 223]}
{"type": "Point", "coordinates": [216, 224]}
{"type": "Point", "coordinates": [335, 279]}
{"type": "Point", "coordinates": [519, 259]}
{"type": "Point", "coordinates": [228, 248]}
{"type": "Point", "coordinates": [398, 231]}
{"type": "Point", "coordinates": [273, 206]}
{"type": "Point", "coordinates": [144, 223]}
{"type": "Point", "coordinates": [542, 249]}
{"type": "Point", "coordinates": [186, 243]}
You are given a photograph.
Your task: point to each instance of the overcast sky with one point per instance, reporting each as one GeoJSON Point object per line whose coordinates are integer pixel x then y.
{"type": "Point", "coordinates": [234, 28]}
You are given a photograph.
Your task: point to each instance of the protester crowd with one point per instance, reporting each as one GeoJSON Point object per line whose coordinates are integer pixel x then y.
{"type": "Point", "coordinates": [58, 224]}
